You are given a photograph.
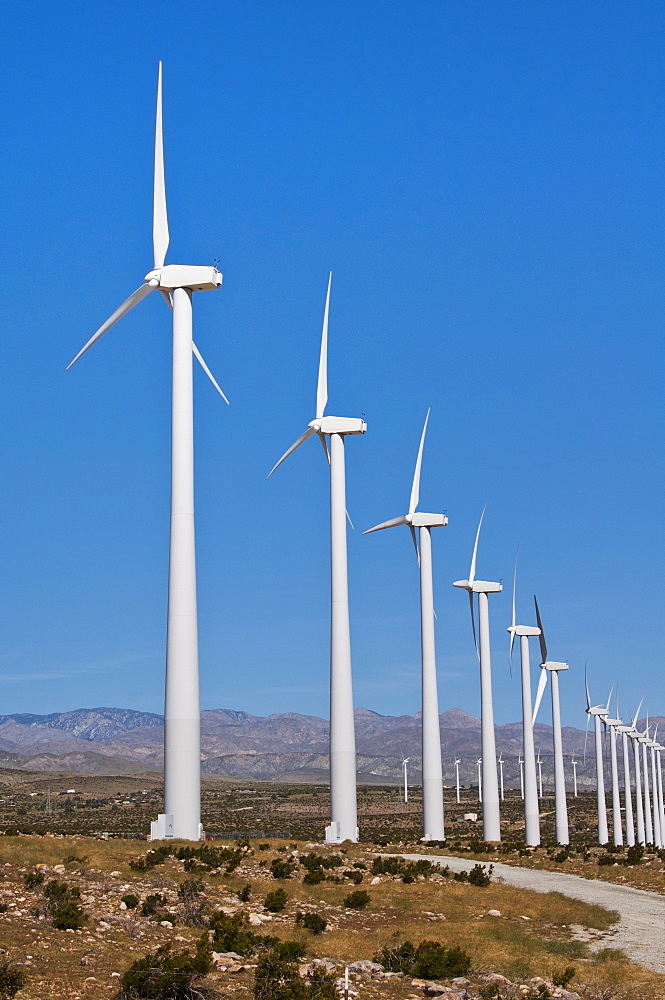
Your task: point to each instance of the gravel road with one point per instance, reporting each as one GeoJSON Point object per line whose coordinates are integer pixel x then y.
{"type": "Point", "coordinates": [641, 930]}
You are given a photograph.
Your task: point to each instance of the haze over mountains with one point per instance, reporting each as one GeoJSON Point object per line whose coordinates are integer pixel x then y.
{"type": "Point", "coordinates": [286, 746]}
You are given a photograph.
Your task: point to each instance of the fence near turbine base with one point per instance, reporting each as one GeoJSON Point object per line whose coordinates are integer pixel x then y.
{"type": "Point", "coordinates": [250, 835]}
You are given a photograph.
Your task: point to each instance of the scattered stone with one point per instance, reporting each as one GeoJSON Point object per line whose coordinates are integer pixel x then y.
{"type": "Point", "coordinates": [496, 977]}
{"type": "Point", "coordinates": [60, 869]}
{"type": "Point", "coordinates": [122, 905]}
{"type": "Point", "coordinates": [364, 965]}
{"type": "Point", "coordinates": [460, 981]}
{"type": "Point", "coordinates": [375, 880]}
{"type": "Point", "coordinates": [494, 913]}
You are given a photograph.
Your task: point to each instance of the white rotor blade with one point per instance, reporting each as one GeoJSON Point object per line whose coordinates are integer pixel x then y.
{"type": "Point", "coordinates": [393, 523]}
{"type": "Point", "coordinates": [473, 625]}
{"type": "Point", "coordinates": [121, 311]}
{"type": "Point", "coordinates": [168, 298]}
{"type": "Point", "coordinates": [160, 224]}
{"type": "Point", "coordinates": [637, 713]}
{"type": "Point", "coordinates": [472, 571]}
{"type": "Point", "coordinates": [414, 539]}
{"type": "Point", "coordinates": [322, 386]}
{"type": "Point", "coordinates": [301, 440]}
{"type": "Point", "coordinates": [610, 697]}
{"type": "Point", "coordinates": [542, 684]}
{"type": "Point", "coordinates": [197, 355]}
{"type": "Point", "coordinates": [586, 688]}
{"type": "Point", "coordinates": [415, 489]}
{"type": "Point", "coordinates": [513, 620]}
{"type": "Point", "coordinates": [324, 445]}
{"type": "Point", "coordinates": [543, 644]}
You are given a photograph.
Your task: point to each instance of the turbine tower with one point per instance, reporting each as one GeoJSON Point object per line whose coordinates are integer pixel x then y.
{"type": "Point", "coordinates": [433, 824]}
{"type": "Point", "coordinates": [648, 818]}
{"type": "Point", "coordinates": [490, 800]}
{"type": "Point", "coordinates": [182, 725]}
{"type": "Point", "coordinates": [528, 766]}
{"type": "Point", "coordinates": [598, 712]}
{"type": "Point", "coordinates": [639, 799]}
{"type": "Point", "coordinates": [457, 764]}
{"type": "Point", "coordinates": [574, 765]}
{"type": "Point", "coordinates": [406, 780]}
{"type": "Point", "coordinates": [343, 805]}
{"type": "Point", "coordinates": [553, 667]}
{"type": "Point", "coordinates": [617, 830]}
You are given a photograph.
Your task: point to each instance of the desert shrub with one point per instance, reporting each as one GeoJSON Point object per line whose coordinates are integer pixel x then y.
{"type": "Point", "coordinates": [357, 900]}
{"type": "Point", "coordinates": [561, 857]}
{"type": "Point", "coordinates": [312, 922]}
{"type": "Point", "coordinates": [151, 905]}
{"type": "Point", "coordinates": [167, 975]}
{"type": "Point", "coordinates": [611, 955]}
{"type": "Point", "coordinates": [277, 978]}
{"type": "Point", "coordinates": [357, 877]}
{"type": "Point", "coordinates": [312, 861]}
{"type": "Point", "coordinates": [264, 847]}
{"type": "Point", "coordinates": [62, 907]}
{"type": "Point", "coordinates": [606, 859]}
{"type": "Point", "coordinates": [429, 960]}
{"type": "Point", "coordinates": [234, 934]}
{"type": "Point", "coordinates": [564, 976]}
{"type": "Point", "coordinates": [314, 876]}
{"type": "Point", "coordinates": [75, 859]}
{"type": "Point", "coordinates": [130, 900]}
{"type": "Point", "coordinates": [292, 951]}
{"type": "Point", "coordinates": [245, 893]}
{"type": "Point", "coordinates": [569, 949]}
{"type": "Point", "coordinates": [479, 875]}
{"type": "Point", "coordinates": [192, 901]}
{"type": "Point", "coordinates": [407, 878]}
{"type": "Point", "coordinates": [462, 876]}
{"type": "Point", "coordinates": [33, 879]}
{"type": "Point", "coordinates": [3, 907]}
{"type": "Point", "coordinates": [156, 856]}
{"type": "Point", "coordinates": [634, 855]}
{"type": "Point", "coordinates": [280, 868]}
{"type": "Point", "coordinates": [275, 901]}
{"type": "Point", "coordinates": [11, 980]}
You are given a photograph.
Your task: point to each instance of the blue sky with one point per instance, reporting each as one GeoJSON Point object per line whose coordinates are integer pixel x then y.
{"type": "Point", "coordinates": [486, 182]}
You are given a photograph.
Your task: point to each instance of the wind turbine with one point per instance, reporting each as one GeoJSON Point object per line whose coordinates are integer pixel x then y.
{"type": "Point", "coordinates": [343, 805]}
{"type": "Point", "coordinates": [491, 811]}
{"type": "Point", "coordinates": [553, 667]}
{"type": "Point", "coordinates": [182, 726]}
{"type": "Point", "coordinates": [479, 762]}
{"type": "Point", "coordinates": [521, 764]}
{"type": "Point", "coordinates": [528, 766]}
{"type": "Point", "coordinates": [574, 763]}
{"type": "Point", "coordinates": [501, 774]}
{"type": "Point", "coordinates": [657, 834]}
{"type": "Point", "coordinates": [406, 783]}
{"type": "Point", "coordinates": [457, 764]}
{"type": "Point", "coordinates": [617, 831]}
{"type": "Point", "coordinates": [623, 731]}
{"type": "Point", "coordinates": [433, 824]}
{"type": "Point", "coordinates": [661, 805]}
{"type": "Point", "coordinates": [648, 818]}
{"type": "Point", "coordinates": [598, 712]}
{"type": "Point", "coordinates": [639, 798]}
{"type": "Point", "coordinates": [540, 776]}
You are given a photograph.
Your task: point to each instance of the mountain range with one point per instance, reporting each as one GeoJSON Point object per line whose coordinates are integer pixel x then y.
{"type": "Point", "coordinates": [285, 746]}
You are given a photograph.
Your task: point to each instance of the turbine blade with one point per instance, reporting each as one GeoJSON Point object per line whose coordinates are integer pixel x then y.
{"type": "Point", "coordinates": [167, 297]}
{"type": "Point", "coordinates": [542, 684]}
{"type": "Point", "coordinates": [586, 688]}
{"type": "Point", "coordinates": [393, 523]}
{"type": "Point", "coordinates": [296, 444]}
{"type": "Point", "coordinates": [543, 644]}
{"type": "Point", "coordinates": [322, 386]}
{"type": "Point", "coordinates": [414, 539]}
{"type": "Point", "coordinates": [348, 517]}
{"type": "Point", "coordinates": [513, 620]}
{"type": "Point", "coordinates": [160, 224]}
{"type": "Point", "coordinates": [324, 445]}
{"type": "Point", "coordinates": [473, 625]}
{"type": "Point", "coordinates": [197, 355]}
{"type": "Point", "coordinates": [121, 311]}
{"type": "Point", "coordinates": [637, 713]}
{"type": "Point", "coordinates": [472, 571]}
{"type": "Point", "coordinates": [610, 697]}
{"type": "Point", "coordinates": [415, 489]}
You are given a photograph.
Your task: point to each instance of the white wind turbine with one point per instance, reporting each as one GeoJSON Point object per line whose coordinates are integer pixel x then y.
{"type": "Point", "coordinates": [501, 774]}
{"type": "Point", "coordinates": [343, 804]}
{"type": "Point", "coordinates": [598, 712]}
{"type": "Point", "coordinates": [479, 762]}
{"type": "Point", "coordinates": [490, 800]}
{"type": "Point", "coordinates": [177, 282]}
{"type": "Point", "coordinates": [574, 765]}
{"type": "Point", "coordinates": [639, 798]}
{"type": "Point", "coordinates": [433, 822]}
{"type": "Point", "coordinates": [553, 667]}
{"type": "Point", "coordinates": [406, 782]}
{"type": "Point", "coordinates": [528, 765]}
{"type": "Point", "coordinates": [657, 833]}
{"type": "Point", "coordinates": [521, 764]}
{"type": "Point", "coordinates": [648, 817]}
{"type": "Point", "coordinates": [661, 804]}
{"type": "Point", "coordinates": [540, 776]}
{"type": "Point", "coordinates": [624, 732]}
{"type": "Point", "coordinates": [457, 764]}
{"type": "Point", "coordinates": [617, 830]}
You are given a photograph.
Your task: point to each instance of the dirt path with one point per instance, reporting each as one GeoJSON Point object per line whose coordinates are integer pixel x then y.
{"type": "Point", "coordinates": [641, 929]}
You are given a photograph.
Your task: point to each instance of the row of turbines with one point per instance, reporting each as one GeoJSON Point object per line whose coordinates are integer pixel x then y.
{"type": "Point", "coordinates": [181, 818]}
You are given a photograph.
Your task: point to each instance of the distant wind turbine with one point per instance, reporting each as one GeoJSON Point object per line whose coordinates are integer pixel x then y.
{"type": "Point", "coordinates": [639, 798]}
{"type": "Point", "coordinates": [648, 817]}
{"type": "Point", "coordinates": [479, 762]}
{"type": "Point", "coordinates": [521, 764]}
{"type": "Point", "coordinates": [433, 821]}
{"type": "Point", "coordinates": [182, 727]}
{"type": "Point", "coordinates": [574, 764]}
{"type": "Point", "coordinates": [343, 805]}
{"type": "Point", "coordinates": [406, 782]}
{"type": "Point", "coordinates": [501, 775]}
{"type": "Point", "coordinates": [553, 667]}
{"type": "Point", "coordinates": [598, 712]}
{"type": "Point", "coordinates": [617, 830]}
{"type": "Point", "coordinates": [491, 810]}
{"type": "Point", "coordinates": [457, 764]}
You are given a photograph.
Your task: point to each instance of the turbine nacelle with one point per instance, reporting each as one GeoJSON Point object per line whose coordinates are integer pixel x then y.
{"type": "Point", "coordinates": [479, 586]}
{"type": "Point", "coordinates": [197, 277]}
{"type": "Point", "coordinates": [338, 425]}
{"type": "Point", "coordinates": [416, 520]}
{"type": "Point", "coordinates": [522, 629]}
{"type": "Point", "coordinates": [554, 665]}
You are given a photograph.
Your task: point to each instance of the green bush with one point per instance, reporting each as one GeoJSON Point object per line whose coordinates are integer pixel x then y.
{"type": "Point", "coordinates": [292, 951]}
{"type": "Point", "coordinates": [312, 861]}
{"type": "Point", "coordinates": [281, 868]}
{"type": "Point", "coordinates": [233, 934]}
{"type": "Point", "coordinates": [479, 875]}
{"type": "Point", "coordinates": [3, 907]}
{"type": "Point", "coordinates": [357, 877]}
{"type": "Point", "coordinates": [275, 901]}
{"type": "Point", "coordinates": [606, 859]}
{"type": "Point", "coordinates": [62, 907]}
{"type": "Point", "coordinates": [11, 981]}
{"type": "Point", "coordinates": [33, 879]}
{"type": "Point", "coordinates": [130, 900]}
{"type": "Point", "coordinates": [245, 893]}
{"type": "Point", "coordinates": [277, 978]}
{"type": "Point", "coordinates": [151, 905]}
{"type": "Point", "coordinates": [167, 975]}
{"type": "Point", "coordinates": [312, 922]}
{"type": "Point", "coordinates": [430, 960]}
{"type": "Point", "coordinates": [314, 876]}
{"type": "Point", "coordinates": [634, 855]}
{"type": "Point", "coordinates": [357, 900]}
{"type": "Point", "coordinates": [564, 976]}
{"type": "Point", "coordinates": [156, 856]}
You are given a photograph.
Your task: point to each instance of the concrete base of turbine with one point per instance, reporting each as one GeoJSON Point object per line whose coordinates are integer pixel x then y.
{"type": "Point", "coordinates": [334, 834]}
{"type": "Point", "coordinates": [162, 828]}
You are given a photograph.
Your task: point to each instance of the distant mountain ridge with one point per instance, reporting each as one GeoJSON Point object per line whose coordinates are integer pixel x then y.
{"type": "Point", "coordinates": [279, 746]}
